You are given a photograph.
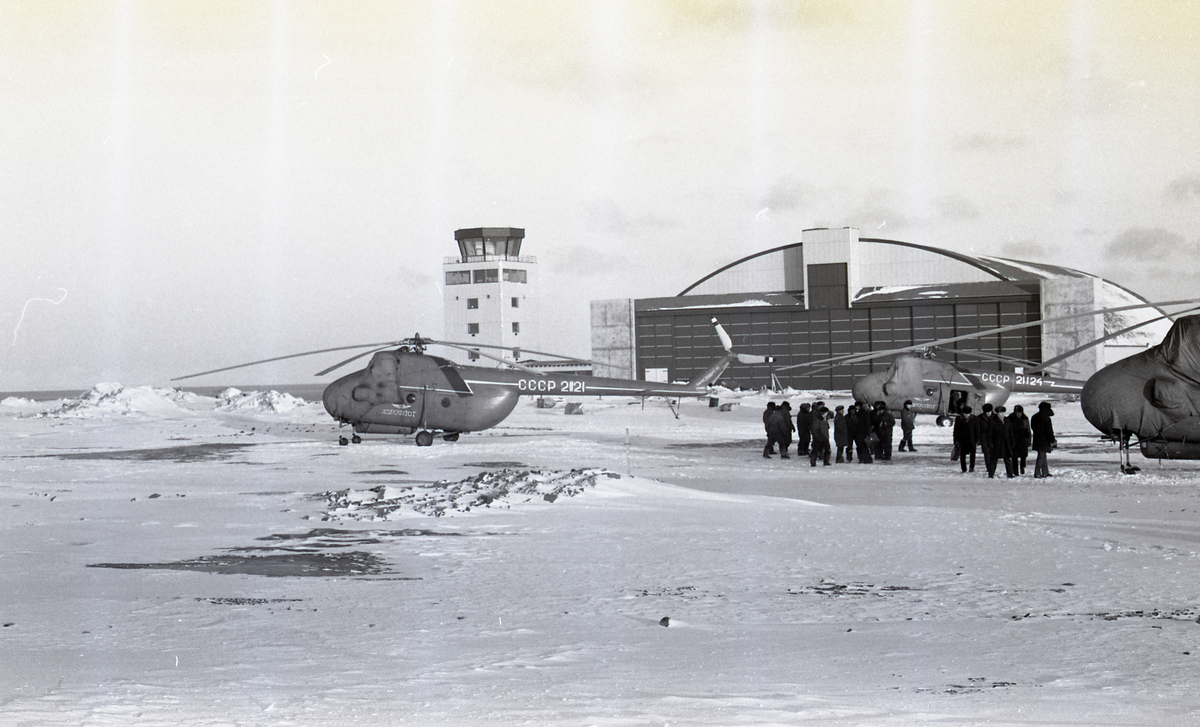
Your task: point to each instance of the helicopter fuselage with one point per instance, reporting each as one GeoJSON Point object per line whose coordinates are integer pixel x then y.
{"type": "Point", "coordinates": [942, 389]}
{"type": "Point", "coordinates": [401, 392]}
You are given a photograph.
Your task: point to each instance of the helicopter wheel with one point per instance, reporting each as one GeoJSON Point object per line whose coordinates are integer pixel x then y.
{"type": "Point", "coordinates": [424, 439]}
{"type": "Point", "coordinates": [943, 421]}
{"type": "Point", "coordinates": [451, 437]}
{"type": "Point", "coordinates": [356, 439]}
{"type": "Point", "coordinates": [343, 441]}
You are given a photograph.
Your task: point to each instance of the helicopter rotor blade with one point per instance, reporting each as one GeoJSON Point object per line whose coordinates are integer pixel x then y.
{"type": "Point", "coordinates": [1012, 360]}
{"type": "Point", "coordinates": [467, 346]}
{"type": "Point", "coordinates": [990, 332]}
{"type": "Point", "coordinates": [284, 358]}
{"type": "Point", "coordinates": [507, 362]}
{"type": "Point", "coordinates": [355, 357]}
{"type": "Point", "coordinates": [1062, 357]}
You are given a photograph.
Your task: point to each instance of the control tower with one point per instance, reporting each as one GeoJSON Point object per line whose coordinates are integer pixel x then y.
{"type": "Point", "coordinates": [490, 296]}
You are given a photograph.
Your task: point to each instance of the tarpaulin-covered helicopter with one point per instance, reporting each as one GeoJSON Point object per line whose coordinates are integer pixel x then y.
{"type": "Point", "coordinates": [405, 390]}
{"type": "Point", "coordinates": [1153, 395]}
{"type": "Point", "coordinates": [942, 388]}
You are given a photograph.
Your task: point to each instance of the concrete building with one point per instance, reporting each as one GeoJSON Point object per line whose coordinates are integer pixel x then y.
{"type": "Point", "coordinates": [836, 293]}
{"type": "Point", "coordinates": [490, 296]}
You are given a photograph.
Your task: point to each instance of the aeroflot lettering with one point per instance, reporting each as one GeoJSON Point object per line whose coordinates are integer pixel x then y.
{"type": "Point", "coordinates": [549, 385]}
{"type": "Point", "coordinates": [1019, 380]}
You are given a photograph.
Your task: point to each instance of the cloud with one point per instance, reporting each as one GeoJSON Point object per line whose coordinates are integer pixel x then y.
{"type": "Point", "coordinates": [785, 195]}
{"type": "Point", "coordinates": [956, 207]}
{"type": "Point", "coordinates": [580, 261]}
{"type": "Point", "coordinates": [985, 142]}
{"type": "Point", "coordinates": [1182, 190]}
{"type": "Point", "coordinates": [1140, 245]}
{"type": "Point", "coordinates": [876, 213]}
{"type": "Point", "coordinates": [604, 216]}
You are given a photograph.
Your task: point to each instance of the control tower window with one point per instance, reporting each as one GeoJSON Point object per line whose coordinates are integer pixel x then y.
{"type": "Point", "coordinates": [472, 329]}
{"type": "Point", "coordinates": [472, 303]}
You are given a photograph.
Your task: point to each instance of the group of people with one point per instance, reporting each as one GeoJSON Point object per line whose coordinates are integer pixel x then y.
{"type": "Point", "coordinates": [1004, 438]}
{"type": "Point", "coordinates": [867, 429]}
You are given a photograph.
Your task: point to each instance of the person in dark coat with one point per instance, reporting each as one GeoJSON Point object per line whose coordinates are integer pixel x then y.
{"type": "Point", "coordinates": [1042, 431]}
{"type": "Point", "coordinates": [862, 430]}
{"type": "Point", "coordinates": [767, 426]}
{"type": "Point", "coordinates": [884, 424]}
{"type": "Point", "coordinates": [978, 424]}
{"type": "Point", "coordinates": [1022, 437]}
{"type": "Point", "coordinates": [908, 422]}
{"type": "Point", "coordinates": [964, 437]}
{"type": "Point", "coordinates": [841, 435]}
{"type": "Point", "coordinates": [803, 429]}
{"type": "Point", "coordinates": [779, 425]}
{"type": "Point", "coordinates": [820, 434]}
{"type": "Point", "coordinates": [787, 430]}
{"type": "Point", "coordinates": [992, 442]}
{"type": "Point", "coordinates": [1010, 465]}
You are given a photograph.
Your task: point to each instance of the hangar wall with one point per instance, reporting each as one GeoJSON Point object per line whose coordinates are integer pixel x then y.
{"type": "Point", "coordinates": [843, 294]}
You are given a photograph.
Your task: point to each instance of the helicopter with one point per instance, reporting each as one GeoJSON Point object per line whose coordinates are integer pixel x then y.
{"type": "Point", "coordinates": [1153, 395]}
{"type": "Point", "coordinates": [404, 390]}
{"type": "Point", "coordinates": [943, 388]}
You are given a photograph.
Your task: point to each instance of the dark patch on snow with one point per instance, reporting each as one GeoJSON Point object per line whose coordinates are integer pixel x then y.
{"type": "Point", "coordinates": [181, 454]}
{"type": "Point", "coordinates": [248, 601]}
{"type": "Point", "coordinates": [739, 444]}
{"type": "Point", "coordinates": [974, 685]}
{"type": "Point", "coordinates": [379, 472]}
{"type": "Point", "coordinates": [317, 552]}
{"type": "Point", "coordinates": [689, 593]}
{"type": "Point", "coordinates": [283, 565]}
{"type": "Point", "coordinates": [1179, 614]}
{"type": "Point", "coordinates": [335, 538]}
{"type": "Point", "coordinates": [854, 590]}
{"type": "Point", "coordinates": [494, 465]}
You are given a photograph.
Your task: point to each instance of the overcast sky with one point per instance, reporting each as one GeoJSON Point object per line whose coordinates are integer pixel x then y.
{"type": "Point", "coordinates": [187, 185]}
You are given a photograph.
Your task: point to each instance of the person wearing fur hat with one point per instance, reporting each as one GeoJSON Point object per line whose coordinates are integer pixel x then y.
{"type": "Point", "coordinates": [1043, 438]}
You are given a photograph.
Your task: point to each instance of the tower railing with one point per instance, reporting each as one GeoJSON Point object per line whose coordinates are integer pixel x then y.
{"type": "Point", "coordinates": [491, 259]}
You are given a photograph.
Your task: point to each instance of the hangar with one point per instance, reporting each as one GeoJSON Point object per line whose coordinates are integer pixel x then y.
{"type": "Point", "coordinates": [836, 293]}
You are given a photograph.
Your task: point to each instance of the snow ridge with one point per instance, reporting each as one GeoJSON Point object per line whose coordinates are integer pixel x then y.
{"type": "Point", "coordinates": [502, 488]}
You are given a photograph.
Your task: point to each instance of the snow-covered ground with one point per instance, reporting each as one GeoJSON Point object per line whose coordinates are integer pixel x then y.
{"type": "Point", "coordinates": [168, 558]}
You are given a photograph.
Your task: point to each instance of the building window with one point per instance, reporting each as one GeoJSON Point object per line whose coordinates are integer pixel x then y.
{"type": "Point", "coordinates": [512, 275]}
{"type": "Point", "coordinates": [516, 302]}
{"type": "Point", "coordinates": [487, 275]}
{"type": "Point", "coordinates": [472, 303]}
{"type": "Point", "coordinates": [516, 328]}
{"type": "Point", "coordinates": [472, 329]}
{"type": "Point", "coordinates": [472, 356]}
{"type": "Point", "coordinates": [458, 277]}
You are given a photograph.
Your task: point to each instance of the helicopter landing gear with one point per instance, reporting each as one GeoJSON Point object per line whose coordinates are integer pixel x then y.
{"type": "Point", "coordinates": [943, 421]}
{"type": "Point", "coordinates": [451, 437]}
{"type": "Point", "coordinates": [1122, 438]}
{"type": "Point", "coordinates": [355, 439]}
{"type": "Point", "coordinates": [343, 441]}
{"type": "Point", "coordinates": [424, 439]}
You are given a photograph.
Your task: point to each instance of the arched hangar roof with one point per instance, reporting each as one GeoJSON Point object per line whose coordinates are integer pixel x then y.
{"type": "Point", "coordinates": [1003, 269]}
